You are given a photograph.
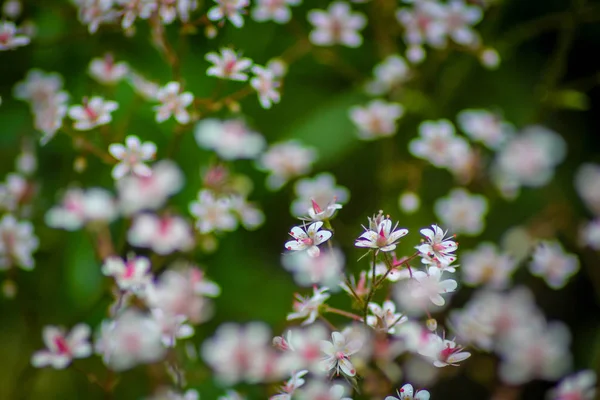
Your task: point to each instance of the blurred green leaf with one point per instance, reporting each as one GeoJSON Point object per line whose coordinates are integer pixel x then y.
{"type": "Point", "coordinates": [83, 276]}
{"type": "Point", "coordinates": [570, 99]}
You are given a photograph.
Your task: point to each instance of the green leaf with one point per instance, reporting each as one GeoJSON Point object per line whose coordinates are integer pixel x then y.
{"type": "Point", "coordinates": [570, 99]}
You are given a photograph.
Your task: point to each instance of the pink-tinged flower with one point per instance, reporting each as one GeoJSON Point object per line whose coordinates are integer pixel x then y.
{"type": "Point", "coordinates": [275, 10]}
{"type": "Point", "coordinates": [490, 58]}
{"type": "Point", "coordinates": [443, 352]}
{"type": "Point", "coordinates": [485, 127]}
{"type": "Point", "coordinates": [38, 86]}
{"type": "Point", "coordinates": [230, 9]}
{"type": "Point", "coordinates": [553, 264]}
{"type": "Point", "coordinates": [131, 274]}
{"type": "Point", "coordinates": [320, 196]}
{"type": "Point", "coordinates": [173, 103]}
{"type": "Point", "coordinates": [9, 38]}
{"type": "Point", "coordinates": [164, 235]}
{"type": "Point", "coordinates": [308, 307]}
{"type": "Point", "coordinates": [360, 288]}
{"type": "Point", "coordinates": [290, 386]}
{"type": "Point", "coordinates": [132, 338]}
{"type": "Point", "coordinates": [49, 116]}
{"type": "Point", "coordinates": [137, 193]}
{"type": "Point", "coordinates": [78, 208]}
{"type": "Point", "coordinates": [325, 270]}
{"type": "Point", "coordinates": [436, 142]}
{"type": "Point", "coordinates": [337, 25]}
{"type": "Point", "coordinates": [459, 19]}
{"type": "Point", "coordinates": [249, 215]}
{"type": "Point", "coordinates": [308, 239]}
{"type": "Point", "coordinates": [437, 247]}
{"type": "Point", "coordinates": [17, 243]}
{"type": "Point", "coordinates": [431, 286]}
{"type": "Point", "coordinates": [95, 12]}
{"type": "Point", "coordinates": [384, 318]}
{"type": "Point", "coordinates": [173, 327]}
{"type": "Point", "coordinates": [170, 394]}
{"type": "Point", "coordinates": [228, 65]}
{"type": "Point", "coordinates": [322, 391]}
{"type": "Point", "coordinates": [302, 348]}
{"type": "Point", "coordinates": [487, 266]}
{"type": "Point", "coordinates": [240, 353]}
{"type": "Point", "coordinates": [579, 386]}
{"type": "Point", "coordinates": [338, 352]}
{"type": "Point", "coordinates": [285, 161]}
{"type": "Point", "coordinates": [12, 9]}
{"type": "Point", "coordinates": [92, 113]}
{"type": "Point", "coordinates": [266, 85]}
{"type": "Point", "coordinates": [378, 119]}
{"type": "Point", "coordinates": [132, 156]}
{"type": "Point", "coordinates": [106, 71]}
{"type": "Point", "coordinates": [407, 392]}
{"type": "Point", "coordinates": [212, 213]}
{"type": "Point", "coordinates": [169, 10]}
{"type": "Point", "coordinates": [423, 24]}
{"type": "Point", "coordinates": [462, 211]}
{"type": "Point", "coordinates": [382, 236]}
{"type": "Point", "coordinates": [133, 9]}
{"type": "Point", "coordinates": [230, 139]}
{"type": "Point", "coordinates": [392, 72]}
{"type": "Point", "coordinates": [15, 190]}
{"type": "Point", "coordinates": [62, 348]}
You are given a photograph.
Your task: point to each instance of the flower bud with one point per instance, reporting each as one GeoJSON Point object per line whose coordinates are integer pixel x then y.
{"type": "Point", "coordinates": [431, 324]}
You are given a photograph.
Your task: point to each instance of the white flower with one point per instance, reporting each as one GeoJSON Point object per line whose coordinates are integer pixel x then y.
{"type": "Point", "coordinates": [337, 25]}
{"type": "Point", "coordinates": [79, 208]}
{"type": "Point", "coordinates": [443, 352]}
{"type": "Point", "coordinates": [213, 214]}
{"type": "Point", "coordinates": [230, 139]}
{"type": "Point", "coordinates": [227, 65]}
{"type": "Point", "coordinates": [130, 339]}
{"type": "Point", "coordinates": [409, 202]}
{"type": "Point", "coordinates": [388, 74]}
{"type": "Point", "coordinates": [62, 348]}
{"type": "Point", "coordinates": [407, 392]}
{"type": "Point", "coordinates": [94, 12]}
{"type": "Point", "coordinates": [462, 212]}
{"type": "Point", "coordinates": [163, 235]}
{"type": "Point", "coordinates": [308, 239]}
{"type": "Point", "coordinates": [385, 318]}
{"type": "Point", "coordinates": [170, 9]}
{"type": "Point", "coordinates": [308, 307]}
{"type": "Point", "coordinates": [424, 23]}
{"type": "Point", "coordinates": [487, 266]}
{"type": "Point", "coordinates": [553, 264]}
{"type": "Point", "coordinates": [587, 183]}
{"type": "Point", "coordinates": [590, 234]}
{"type": "Point", "coordinates": [136, 9]}
{"type": "Point", "coordinates": [106, 71]}
{"type": "Point", "coordinates": [325, 270]}
{"type": "Point", "coordinates": [232, 395]}
{"type": "Point", "coordinates": [338, 352]}
{"type": "Point", "coordinates": [382, 237]}
{"type": "Point", "coordinates": [92, 113]}
{"type": "Point", "coordinates": [319, 195]}
{"type": "Point", "coordinates": [9, 39]}
{"type": "Point", "coordinates": [377, 119]}
{"type": "Point", "coordinates": [250, 216]}
{"type": "Point", "coordinates": [17, 243]}
{"type": "Point", "coordinates": [230, 9]}
{"type": "Point", "coordinates": [285, 161]}
{"type": "Point", "coordinates": [458, 20]}
{"type": "Point", "coordinates": [132, 157]}
{"type": "Point", "coordinates": [38, 87]}
{"type": "Point", "coordinates": [437, 247]}
{"type": "Point", "coordinates": [170, 394]}
{"type": "Point", "coordinates": [436, 142]}
{"type": "Point", "coordinates": [172, 326]}
{"type": "Point", "coordinates": [131, 274]}
{"type": "Point", "coordinates": [276, 10]}
{"type": "Point", "coordinates": [290, 386]}
{"type": "Point", "coordinates": [266, 85]}
{"type": "Point", "coordinates": [485, 126]}
{"type": "Point", "coordinates": [173, 103]}
{"type": "Point", "coordinates": [431, 286]}
{"type": "Point", "coordinates": [579, 386]}
{"type": "Point", "coordinates": [322, 391]}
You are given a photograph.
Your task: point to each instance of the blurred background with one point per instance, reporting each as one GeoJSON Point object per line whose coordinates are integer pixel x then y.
{"type": "Point", "coordinates": [550, 75]}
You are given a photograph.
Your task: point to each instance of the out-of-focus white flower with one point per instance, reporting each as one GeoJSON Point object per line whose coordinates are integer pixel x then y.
{"type": "Point", "coordinates": [241, 353]}
{"type": "Point", "coordinates": [382, 236]}
{"type": "Point", "coordinates": [170, 10]}
{"type": "Point", "coordinates": [62, 348]}
{"type": "Point", "coordinates": [388, 74]}
{"type": "Point", "coordinates": [17, 243]}
{"type": "Point", "coordinates": [106, 71]}
{"type": "Point", "coordinates": [485, 126]}
{"type": "Point", "coordinates": [337, 25]}
{"type": "Point", "coordinates": [385, 318]}
{"type": "Point", "coordinates": [443, 352]}
{"type": "Point", "coordinates": [92, 113]}
{"type": "Point", "coordinates": [377, 119]}
{"type": "Point", "coordinates": [9, 38]}
{"type": "Point", "coordinates": [487, 266]}
{"type": "Point", "coordinates": [423, 24]}
{"type": "Point", "coordinates": [459, 19]}
{"type": "Point", "coordinates": [579, 386]}
{"type": "Point", "coordinates": [229, 9]}
{"type": "Point", "coordinates": [213, 214]}
{"type": "Point", "coordinates": [38, 86]}
{"type": "Point", "coordinates": [308, 239]}
{"type": "Point", "coordinates": [12, 8]}
{"type": "Point", "coordinates": [232, 395]}
{"type": "Point", "coordinates": [407, 392]}
{"type": "Point", "coordinates": [587, 183]}
{"type": "Point", "coordinates": [131, 157]}
{"type": "Point", "coordinates": [228, 65]}
{"type": "Point", "coordinates": [324, 270]}
{"type": "Point", "coordinates": [79, 208]}
{"type": "Point", "coordinates": [278, 67]}
{"type": "Point", "coordinates": [462, 212]}
{"type": "Point", "coordinates": [172, 326]}
{"type": "Point", "coordinates": [163, 235]}
{"type": "Point", "coordinates": [249, 215]}
{"type": "Point", "coordinates": [322, 391]}
{"type": "Point", "coordinates": [490, 58]}
{"type": "Point", "coordinates": [95, 12]}
{"type": "Point", "coordinates": [290, 386]}
{"type": "Point", "coordinates": [409, 202]}
{"type": "Point", "coordinates": [431, 286]}
{"type": "Point", "coordinates": [275, 10]}
{"type": "Point", "coordinates": [170, 394]}
{"type": "Point", "coordinates": [131, 274]}
{"type": "Point", "coordinates": [321, 190]}
{"type": "Point", "coordinates": [132, 338]}
{"type": "Point", "coordinates": [285, 161]}
{"type": "Point", "coordinates": [13, 192]}
{"type": "Point", "coordinates": [553, 264]}
{"type": "Point", "coordinates": [436, 142]}
{"type": "Point", "coordinates": [266, 85]}
{"type": "Point", "coordinates": [308, 307]}
{"type": "Point", "coordinates": [338, 353]}
{"type": "Point", "coordinates": [302, 348]}
{"type": "Point", "coordinates": [173, 103]}
{"type": "Point", "coordinates": [136, 9]}
{"type": "Point", "coordinates": [230, 139]}
{"type": "Point", "coordinates": [590, 234]}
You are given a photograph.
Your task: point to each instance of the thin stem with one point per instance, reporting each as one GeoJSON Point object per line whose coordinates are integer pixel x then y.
{"type": "Point", "coordinates": [371, 291]}
{"type": "Point", "coordinates": [344, 313]}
